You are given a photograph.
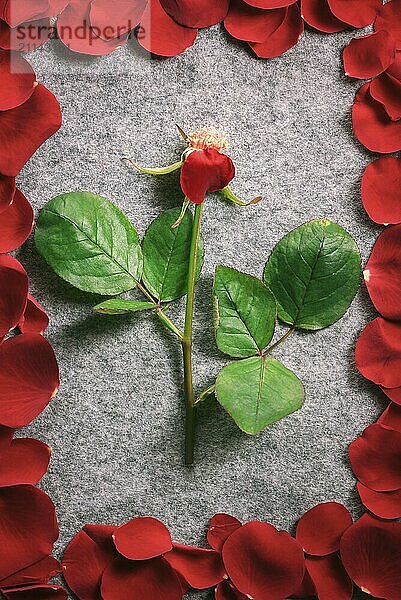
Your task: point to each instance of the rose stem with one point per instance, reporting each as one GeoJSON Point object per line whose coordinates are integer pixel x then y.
{"type": "Point", "coordinates": [186, 342]}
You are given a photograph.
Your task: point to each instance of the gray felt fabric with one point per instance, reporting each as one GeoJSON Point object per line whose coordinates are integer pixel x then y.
{"type": "Point", "coordinates": [116, 426]}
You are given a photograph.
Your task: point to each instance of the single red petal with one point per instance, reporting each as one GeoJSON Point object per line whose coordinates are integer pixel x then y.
{"type": "Point", "coordinates": [317, 14]}
{"type": "Point", "coordinates": [142, 538]}
{"type": "Point", "coordinates": [383, 273]}
{"type": "Point", "coordinates": [7, 191]}
{"type": "Point", "coordinates": [35, 319]}
{"type": "Point", "coordinates": [28, 528]}
{"type": "Point", "coordinates": [161, 35]}
{"type": "Point", "coordinates": [378, 353]}
{"type": "Point", "coordinates": [16, 223]}
{"type": "Point", "coordinates": [329, 577]}
{"type": "Point", "coordinates": [220, 528]}
{"type": "Point", "coordinates": [85, 560]}
{"type": "Point", "coordinates": [25, 462]}
{"type": "Point", "coordinates": [320, 529]}
{"type": "Point", "coordinates": [200, 568]}
{"type": "Point", "coordinates": [25, 128]}
{"type": "Point", "coordinates": [75, 31]}
{"type": "Point", "coordinates": [263, 562]}
{"type": "Point", "coordinates": [244, 22]}
{"type": "Point", "coordinates": [372, 126]}
{"type": "Point", "coordinates": [381, 190]}
{"type": "Point", "coordinates": [357, 13]}
{"type": "Point", "coordinates": [391, 417]}
{"type": "Point", "coordinates": [6, 437]}
{"type": "Point", "coordinates": [18, 80]}
{"type": "Point", "coordinates": [386, 505]}
{"type": "Point", "coordinates": [29, 378]}
{"type": "Point", "coordinates": [37, 573]}
{"type": "Point", "coordinates": [375, 458]}
{"type": "Point", "coordinates": [284, 37]}
{"type": "Point", "coordinates": [26, 37]}
{"type": "Point", "coordinates": [196, 13]}
{"type": "Point", "coordinates": [102, 535]}
{"type": "Point", "coordinates": [388, 19]}
{"type": "Point", "coordinates": [15, 13]}
{"type": "Point", "coordinates": [13, 292]}
{"type": "Point", "coordinates": [369, 55]}
{"type": "Point", "coordinates": [370, 552]}
{"type": "Point", "coordinates": [113, 21]}
{"type": "Point", "coordinates": [386, 90]}
{"type": "Point", "coordinates": [226, 591]}
{"type": "Point", "coordinates": [37, 592]}
{"type": "Point", "coordinates": [270, 4]}
{"type": "Point", "coordinates": [151, 579]}
{"type": "Point", "coordinates": [205, 171]}
{"type": "Point", "coordinates": [307, 588]}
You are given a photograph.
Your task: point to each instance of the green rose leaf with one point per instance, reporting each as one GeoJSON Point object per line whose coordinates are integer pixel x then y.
{"type": "Point", "coordinates": [166, 255]}
{"type": "Point", "coordinates": [314, 273]}
{"type": "Point", "coordinates": [245, 313]}
{"type": "Point", "coordinates": [90, 243]}
{"type": "Point", "coordinates": [119, 306]}
{"type": "Point", "coordinates": [258, 391]}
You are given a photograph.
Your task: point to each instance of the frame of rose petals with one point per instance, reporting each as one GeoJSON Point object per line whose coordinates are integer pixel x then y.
{"type": "Point", "coordinates": [254, 560]}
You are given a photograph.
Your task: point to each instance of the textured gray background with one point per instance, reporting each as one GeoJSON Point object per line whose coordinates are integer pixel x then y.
{"type": "Point", "coordinates": [116, 426]}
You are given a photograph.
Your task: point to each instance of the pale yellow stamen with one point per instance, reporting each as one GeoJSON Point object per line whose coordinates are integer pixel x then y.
{"type": "Point", "coordinates": [366, 591]}
{"type": "Point", "coordinates": [205, 138]}
{"type": "Point", "coordinates": [366, 275]}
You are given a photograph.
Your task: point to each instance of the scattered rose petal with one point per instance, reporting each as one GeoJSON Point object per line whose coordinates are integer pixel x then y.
{"type": "Point", "coordinates": [270, 4]}
{"type": "Point", "coordinates": [307, 588]}
{"type": "Point", "coordinates": [388, 19]}
{"type": "Point", "coordinates": [386, 90]}
{"type": "Point", "coordinates": [25, 462]}
{"type": "Point", "coordinates": [391, 417]}
{"type": "Point", "coordinates": [244, 22]}
{"type": "Point", "coordinates": [370, 552]}
{"type": "Point", "coordinates": [205, 171]}
{"type": "Point", "coordinates": [200, 568]}
{"type": "Point", "coordinates": [161, 35]}
{"type": "Point", "coordinates": [16, 223]}
{"type": "Point", "coordinates": [142, 538]}
{"type": "Point", "coordinates": [151, 579]}
{"type": "Point", "coordinates": [381, 190]}
{"type": "Point", "coordinates": [113, 21]}
{"type": "Point", "coordinates": [7, 191]}
{"type": "Point", "coordinates": [37, 592]}
{"type": "Point", "coordinates": [376, 458]}
{"type": "Point", "coordinates": [13, 293]}
{"type": "Point", "coordinates": [17, 78]}
{"type": "Point", "coordinates": [378, 353]}
{"type": "Point", "coordinates": [358, 13]}
{"type": "Point", "coordinates": [386, 505]}
{"type": "Point", "coordinates": [29, 378]}
{"type": "Point", "coordinates": [372, 126]}
{"type": "Point", "coordinates": [220, 528]}
{"type": "Point", "coordinates": [226, 591]}
{"type": "Point", "coordinates": [37, 573]}
{"type": "Point", "coordinates": [329, 577]}
{"type": "Point", "coordinates": [28, 528]}
{"type": "Point", "coordinates": [26, 37]}
{"type": "Point", "coordinates": [16, 13]}
{"type": "Point", "coordinates": [263, 562]}
{"type": "Point", "coordinates": [196, 13]}
{"type": "Point", "coordinates": [320, 529]}
{"type": "Point", "coordinates": [393, 393]}
{"type": "Point", "coordinates": [35, 319]}
{"type": "Point", "coordinates": [284, 37]}
{"type": "Point", "coordinates": [317, 14]}
{"type": "Point", "coordinates": [369, 55]}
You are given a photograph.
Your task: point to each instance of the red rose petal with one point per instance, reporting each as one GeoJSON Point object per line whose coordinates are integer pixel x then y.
{"type": "Point", "coordinates": [35, 319]}
{"type": "Point", "coordinates": [369, 55]}
{"type": "Point", "coordinates": [26, 37]}
{"type": "Point", "coordinates": [205, 171]}
{"type": "Point", "coordinates": [142, 538]}
{"type": "Point", "coordinates": [317, 14]}
{"type": "Point", "coordinates": [381, 190]}
{"type": "Point", "coordinates": [386, 90]}
{"type": "Point", "coordinates": [161, 35]}
{"type": "Point", "coordinates": [370, 552]}
{"type": "Point", "coordinates": [18, 80]}
{"type": "Point", "coordinates": [372, 126]}
{"type": "Point", "coordinates": [270, 4]}
{"type": "Point", "coordinates": [307, 588]}
{"type": "Point", "coordinates": [284, 37]}
{"type": "Point", "coordinates": [25, 128]}
{"type": "Point", "coordinates": [375, 458]}
{"type": "Point", "coordinates": [196, 13]}
{"type": "Point", "coordinates": [85, 560]}
{"type": "Point", "coordinates": [28, 528]}
{"type": "Point", "coordinates": [251, 24]}
{"type": "Point", "coordinates": [25, 462]}
{"type": "Point", "coordinates": [13, 292]}
{"type": "Point", "coordinates": [220, 528]}
{"type": "Point", "coordinates": [391, 417]}
{"type": "Point", "coordinates": [200, 568]}
{"type": "Point", "coordinates": [75, 31]}
{"type": "Point", "coordinates": [37, 592]}
{"type": "Point", "coordinates": [226, 591]}
{"type": "Point", "coordinates": [151, 579]}
{"type": "Point", "coordinates": [16, 223]}
{"type": "Point", "coordinates": [112, 21]}
{"type": "Point", "coordinates": [329, 578]}
{"type": "Point", "coordinates": [263, 562]}
{"type": "Point", "coordinates": [357, 13]}
{"type": "Point", "coordinates": [15, 13]}
{"type": "Point", "coordinates": [386, 505]}
{"type": "Point", "coordinates": [37, 573]}
{"type": "Point", "coordinates": [383, 273]}
{"type": "Point", "coordinates": [6, 437]}
{"type": "Point", "coordinates": [388, 18]}
{"type": "Point", "coordinates": [393, 393]}
{"type": "Point", "coordinates": [320, 529]}
{"type": "Point", "coordinates": [7, 191]}
{"type": "Point", "coordinates": [378, 353]}
{"type": "Point", "coordinates": [29, 378]}
{"type": "Point", "coordinates": [102, 535]}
